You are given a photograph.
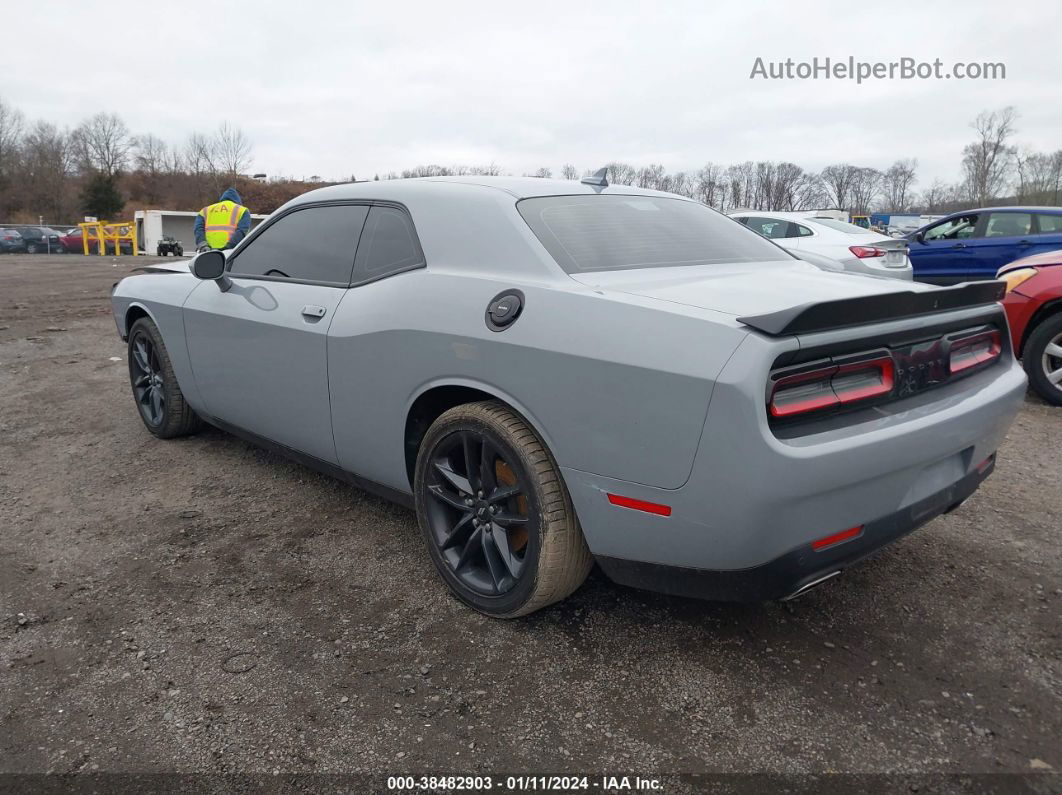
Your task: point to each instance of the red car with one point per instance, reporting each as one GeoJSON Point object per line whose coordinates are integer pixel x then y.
{"type": "Point", "coordinates": [1034, 310]}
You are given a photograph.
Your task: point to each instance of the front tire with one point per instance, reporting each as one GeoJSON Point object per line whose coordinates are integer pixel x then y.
{"type": "Point", "coordinates": [1042, 359]}
{"type": "Point", "coordinates": [495, 514]}
{"type": "Point", "coordinates": [159, 400]}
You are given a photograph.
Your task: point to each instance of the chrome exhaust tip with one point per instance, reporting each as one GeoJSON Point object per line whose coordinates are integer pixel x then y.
{"type": "Point", "coordinates": [803, 589]}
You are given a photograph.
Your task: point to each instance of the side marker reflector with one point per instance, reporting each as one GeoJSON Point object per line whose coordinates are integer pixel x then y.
{"type": "Point", "coordinates": [640, 505]}
{"type": "Point", "coordinates": [838, 538]}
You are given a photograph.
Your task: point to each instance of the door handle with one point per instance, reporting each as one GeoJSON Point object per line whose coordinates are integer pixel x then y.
{"type": "Point", "coordinates": [311, 310]}
{"type": "Point", "coordinates": [959, 245]}
{"type": "Point", "coordinates": [1024, 243]}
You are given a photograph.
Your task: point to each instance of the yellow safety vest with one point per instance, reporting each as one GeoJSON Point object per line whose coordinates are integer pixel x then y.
{"type": "Point", "coordinates": [220, 221]}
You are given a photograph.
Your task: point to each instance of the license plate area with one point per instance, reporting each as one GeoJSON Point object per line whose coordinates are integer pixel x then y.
{"type": "Point", "coordinates": [895, 259]}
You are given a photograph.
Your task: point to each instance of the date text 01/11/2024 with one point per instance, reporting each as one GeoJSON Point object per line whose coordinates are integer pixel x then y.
{"type": "Point", "coordinates": [522, 783]}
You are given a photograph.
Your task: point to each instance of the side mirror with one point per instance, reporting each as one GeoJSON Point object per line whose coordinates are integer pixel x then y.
{"type": "Point", "coordinates": [210, 266]}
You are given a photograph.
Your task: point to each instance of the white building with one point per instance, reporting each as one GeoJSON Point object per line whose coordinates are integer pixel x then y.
{"type": "Point", "coordinates": [153, 225]}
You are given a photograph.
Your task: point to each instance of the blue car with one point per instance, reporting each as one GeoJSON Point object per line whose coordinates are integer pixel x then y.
{"type": "Point", "coordinates": [974, 244]}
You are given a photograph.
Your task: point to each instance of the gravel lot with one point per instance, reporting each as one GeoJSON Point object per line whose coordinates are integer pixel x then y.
{"type": "Point", "coordinates": [203, 606]}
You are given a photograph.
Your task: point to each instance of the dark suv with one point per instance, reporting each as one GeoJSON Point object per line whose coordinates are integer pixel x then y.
{"type": "Point", "coordinates": [40, 240]}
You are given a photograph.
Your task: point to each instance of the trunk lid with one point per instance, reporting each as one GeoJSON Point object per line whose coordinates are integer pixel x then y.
{"type": "Point", "coordinates": [746, 288]}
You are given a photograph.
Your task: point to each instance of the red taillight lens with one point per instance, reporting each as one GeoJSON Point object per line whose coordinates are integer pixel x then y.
{"type": "Point", "coordinates": [867, 251]}
{"type": "Point", "coordinates": [974, 351]}
{"type": "Point", "coordinates": [835, 385]}
{"type": "Point", "coordinates": [640, 505]}
{"type": "Point", "coordinates": [803, 392]}
{"type": "Point", "coordinates": [837, 538]}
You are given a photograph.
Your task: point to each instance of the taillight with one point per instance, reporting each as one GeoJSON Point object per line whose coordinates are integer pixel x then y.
{"type": "Point", "coordinates": [837, 538]}
{"type": "Point", "coordinates": [975, 350]}
{"type": "Point", "coordinates": [831, 386]}
{"type": "Point", "coordinates": [867, 251]}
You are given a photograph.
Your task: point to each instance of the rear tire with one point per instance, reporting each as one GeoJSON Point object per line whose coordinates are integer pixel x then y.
{"type": "Point", "coordinates": [159, 400]}
{"type": "Point", "coordinates": [1043, 356]}
{"type": "Point", "coordinates": [501, 531]}
{"type": "Point", "coordinates": [31, 248]}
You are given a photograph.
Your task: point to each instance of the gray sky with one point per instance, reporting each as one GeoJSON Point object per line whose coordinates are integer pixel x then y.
{"type": "Point", "coordinates": [340, 88]}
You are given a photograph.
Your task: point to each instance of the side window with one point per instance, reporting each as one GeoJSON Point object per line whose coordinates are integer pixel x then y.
{"type": "Point", "coordinates": [769, 227]}
{"type": "Point", "coordinates": [1049, 224]}
{"type": "Point", "coordinates": [957, 228]}
{"type": "Point", "coordinates": [316, 244]}
{"type": "Point", "coordinates": [389, 245]}
{"type": "Point", "coordinates": [796, 230]}
{"type": "Point", "coordinates": [1008, 224]}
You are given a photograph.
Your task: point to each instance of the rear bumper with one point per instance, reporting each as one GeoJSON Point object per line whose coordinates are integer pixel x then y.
{"type": "Point", "coordinates": [799, 569]}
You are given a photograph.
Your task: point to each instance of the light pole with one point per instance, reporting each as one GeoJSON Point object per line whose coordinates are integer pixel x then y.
{"type": "Point", "coordinates": [47, 241]}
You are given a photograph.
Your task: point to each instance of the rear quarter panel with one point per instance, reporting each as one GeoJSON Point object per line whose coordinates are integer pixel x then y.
{"type": "Point", "coordinates": [614, 384]}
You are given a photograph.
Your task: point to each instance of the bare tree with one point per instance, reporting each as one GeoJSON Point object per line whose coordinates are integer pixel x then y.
{"type": "Point", "coordinates": [102, 143]}
{"type": "Point", "coordinates": [619, 174]}
{"type": "Point", "coordinates": [709, 187]}
{"type": "Point", "coordinates": [544, 173]}
{"type": "Point", "coordinates": [809, 193]}
{"type": "Point", "coordinates": [11, 124]}
{"type": "Point", "coordinates": [896, 185]}
{"type": "Point", "coordinates": [941, 197]}
{"type": "Point", "coordinates": [45, 169]}
{"type": "Point", "coordinates": [568, 171]}
{"type": "Point", "coordinates": [987, 162]}
{"type": "Point", "coordinates": [652, 177]}
{"type": "Point", "coordinates": [865, 188]}
{"type": "Point", "coordinates": [1039, 176]}
{"type": "Point", "coordinates": [839, 179]}
{"type": "Point", "coordinates": [198, 157]}
{"type": "Point", "coordinates": [152, 159]}
{"type": "Point", "coordinates": [232, 150]}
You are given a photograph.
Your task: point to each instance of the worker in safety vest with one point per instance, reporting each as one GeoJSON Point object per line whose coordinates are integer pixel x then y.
{"type": "Point", "coordinates": [222, 225]}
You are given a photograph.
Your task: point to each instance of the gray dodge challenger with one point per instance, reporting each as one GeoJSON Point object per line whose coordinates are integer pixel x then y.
{"type": "Point", "coordinates": [556, 373]}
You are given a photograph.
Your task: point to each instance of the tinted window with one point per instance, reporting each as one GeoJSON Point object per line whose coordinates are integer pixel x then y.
{"type": "Point", "coordinates": [1049, 224]}
{"type": "Point", "coordinates": [1008, 224]}
{"type": "Point", "coordinates": [388, 245]}
{"type": "Point", "coordinates": [962, 226]}
{"type": "Point", "coordinates": [598, 233]}
{"type": "Point", "coordinates": [802, 231]}
{"type": "Point", "coordinates": [770, 227]}
{"type": "Point", "coordinates": [316, 244]}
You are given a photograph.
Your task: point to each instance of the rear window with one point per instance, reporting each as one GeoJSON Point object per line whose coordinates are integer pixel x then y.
{"type": "Point", "coordinates": [605, 233]}
{"type": "Point", "coordinates": [840, 226]}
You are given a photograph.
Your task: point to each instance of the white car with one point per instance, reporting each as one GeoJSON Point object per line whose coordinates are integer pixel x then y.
{"type": "Point", "coordinates": [858, 250]}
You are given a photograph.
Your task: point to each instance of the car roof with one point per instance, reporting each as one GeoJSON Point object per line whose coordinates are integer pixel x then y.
{"type": "Point", "coordinates": [1012, 208]}
{"type": "Point", "coordinates": [427, 188]}
{"type": "Point", "coordinates": [774, 214]}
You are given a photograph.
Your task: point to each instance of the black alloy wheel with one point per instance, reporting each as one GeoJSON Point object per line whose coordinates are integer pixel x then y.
{"type": "Point", "coordinates": [149, 385]}
{"type": "Point", "coordinates": [158, 396]}
{"type": "Point", "coordinates": [480, 512]}
{"type": "Point", "coordinates": [494, 511]}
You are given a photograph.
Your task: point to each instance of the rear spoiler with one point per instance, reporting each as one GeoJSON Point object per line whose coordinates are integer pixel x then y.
{"type": "Point", "coordinates": [874, 308]}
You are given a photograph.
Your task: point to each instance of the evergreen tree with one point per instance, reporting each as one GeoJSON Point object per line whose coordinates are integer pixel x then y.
{"type": "Point", "coordinates": [100, 197]}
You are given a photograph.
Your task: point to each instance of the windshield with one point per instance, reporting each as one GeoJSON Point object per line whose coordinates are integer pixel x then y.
{"type": "Point", "coordinates": [840, 226]}
{"type": "Point", "coordinates": [604, 233]}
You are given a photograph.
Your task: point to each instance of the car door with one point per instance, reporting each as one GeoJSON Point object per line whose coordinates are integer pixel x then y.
{"type": "Point", "coordinates": [1006, 235]}
{"type": "Point", "coordinates": [259, 349]}
{"type": "Point", "coordinates": [940, 251]}
{"type": "Point", "coordinates": [1047, 233]}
